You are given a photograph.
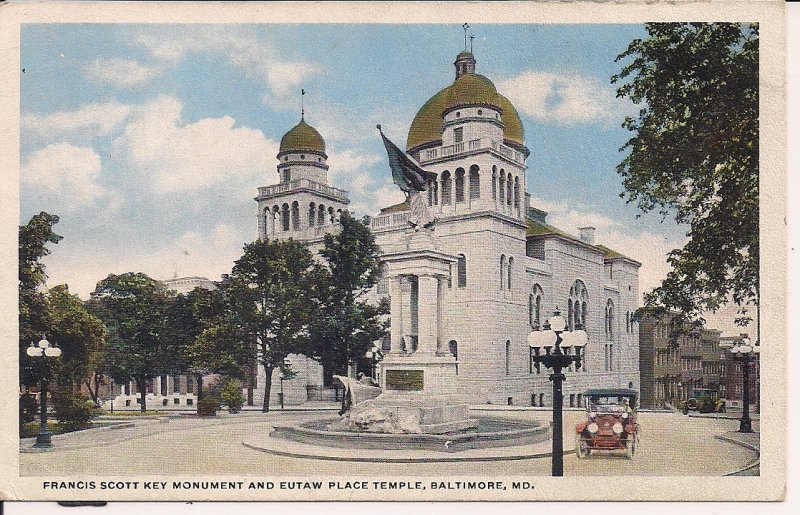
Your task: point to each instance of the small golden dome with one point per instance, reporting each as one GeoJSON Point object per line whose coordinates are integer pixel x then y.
{"type": "Point", "coordinates": [302, 137]}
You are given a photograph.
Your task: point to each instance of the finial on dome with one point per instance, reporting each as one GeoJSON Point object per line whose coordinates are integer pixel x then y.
{"type": "Point", "coordinates": [302, 104]}
{"type": "Point", "coordinates": [471, 37]}
{"type": "Point", "coordinates": [465, 27]}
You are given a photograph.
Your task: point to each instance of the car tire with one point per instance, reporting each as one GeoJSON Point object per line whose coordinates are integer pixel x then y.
{"type": "Point", "coordinates": [685, 410]}
{"type": "Point", "coordinates": [581, 448]}
{"type": "Point", "coordinates": [630, 447]}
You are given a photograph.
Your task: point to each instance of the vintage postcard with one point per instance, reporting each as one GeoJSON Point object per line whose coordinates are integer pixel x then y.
{"type": "Point", "coordinates": [506, 251]}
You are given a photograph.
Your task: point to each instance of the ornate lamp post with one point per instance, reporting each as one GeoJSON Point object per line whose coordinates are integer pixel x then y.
{"type": "Point", "coordinates": [744, 353]}
{"type": "Point", "coordinates": [375, 355]}
{"type": "Point", "coordinates": [554, 358]}
{"type": "Point", "coordinates": [43, 349]}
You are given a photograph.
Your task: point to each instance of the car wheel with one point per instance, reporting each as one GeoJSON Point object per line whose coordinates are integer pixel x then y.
{"type": "Point", "coordinates": [630, 447]}
{"type": "Point", "coordinates": [581, 447]}
{"type": "Point", "coordinates": [685, 410]}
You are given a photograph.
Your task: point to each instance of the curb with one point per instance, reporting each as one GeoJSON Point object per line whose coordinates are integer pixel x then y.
{"type": "Point", "coordinates": [740, 443]}
{"type": "Point", "coordinates": [383, 459]}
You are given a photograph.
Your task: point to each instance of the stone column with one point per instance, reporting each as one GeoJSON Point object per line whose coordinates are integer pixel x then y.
{"type": "Point", "coordinates": [428, 314]}
{"type": "Point", "coordinates": [440, 343]}
{"type": "Point", "coordinates": [396, 312]}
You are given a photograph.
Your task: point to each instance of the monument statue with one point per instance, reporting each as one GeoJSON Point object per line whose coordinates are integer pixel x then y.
{"type": "Point", "coordinates": [413, 180]}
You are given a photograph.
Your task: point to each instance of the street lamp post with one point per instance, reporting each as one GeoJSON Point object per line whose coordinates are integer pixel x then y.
{"type": "Point", "coordinates": [744, 353]}
{"type": "Point", "coordinates": [43, 349]}
{"type": "Point", "coordinates": [554, 358]}
{"type": "Point", "coordinates": [375, 355]}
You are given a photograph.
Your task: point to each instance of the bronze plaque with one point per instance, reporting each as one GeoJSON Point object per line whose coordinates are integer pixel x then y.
{"type": "Point", "coordinates": [409, 380]}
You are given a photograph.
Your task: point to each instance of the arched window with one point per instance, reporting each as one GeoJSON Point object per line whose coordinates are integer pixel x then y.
{"type": "Point", "coordinates": [502, 186]}
{"type": "Point", "coordinates": [447, 186]}
{"type": "Point", "coordinates": [474, 182]}
{"type": "Point", "coordinates": [433, 192]}
{"type": "Point", "coordinates": [312, 208]}
{"type": "Point", "coordinates": [453, 348]}
{"type": "Point", "coordinates": [610, 319]}
{"type": "Point", "coordinates": [276, 216]}
{"type": "Point", "coordinates": [494, 183]}
{"type": "Point", "coordinates": [295, 216]}
{"type": "Point", "coordinates": [577, 307]}
{"type": "Point", "coordinates": [331, 217]}
{"type": "Point", "coordinates": [516, 192]}
{"type": "Point", "coordinates": [287, 175]}
{"type": "Point", "coordinates": [285, 216]}
{"type": "Point", "coordinates": [459, 185]}
{"type": "Point", "coordinates": [321, 215]}
{"type": "Point", "coordinates": [268, 228]}
{"type": "Point", "coordinates": [538, 295]}
{"type": "Point", "coordinates": [508, 357]}
{"type": "Point", "coordinates": [510, 270]}
{"type": "Point", "coordinates": [462, 271]}
{"type": "Point", "coordinates": [502, 271]}
{"type": "Point", "coordinates": [510, 185]}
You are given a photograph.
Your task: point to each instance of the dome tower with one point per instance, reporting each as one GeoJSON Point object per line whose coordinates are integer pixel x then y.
{"type": "Point", "coordinates": [472, 137]}
{"type": "Point", "coordinates": [302, 205]}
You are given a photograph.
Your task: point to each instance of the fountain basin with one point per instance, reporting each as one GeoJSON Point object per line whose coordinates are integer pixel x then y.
{"type": "Point", "coordinates": [490, 432]}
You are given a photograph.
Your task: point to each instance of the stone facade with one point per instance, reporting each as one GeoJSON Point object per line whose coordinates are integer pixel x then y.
{"type": "Point", "coordinates": [508, 269]}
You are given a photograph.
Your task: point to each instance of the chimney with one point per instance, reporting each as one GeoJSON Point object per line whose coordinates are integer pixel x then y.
{"type": "Point", "coordinates": [587, 234]}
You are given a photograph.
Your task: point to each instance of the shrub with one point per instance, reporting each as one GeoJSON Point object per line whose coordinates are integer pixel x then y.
{"type": "Point", "coordinates": [231, 396]}
{"type": "Point", "coordinates": [208, 406]}
{"type": "Point", "coordinates": [73, 411]}
{"type": "Point", "coordinates": [28, 409]}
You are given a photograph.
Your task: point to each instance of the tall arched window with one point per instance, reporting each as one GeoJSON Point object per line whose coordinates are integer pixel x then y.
{"type": "Point", "coordinates": [510, 186]}
{"type": "Point", "coordinates": [494, 183]}
{"type": "Point", "coordinates": [276, 217]}
{"type": "Point", "coordinates": [474, 182]}
{"type": "Point", "coordinates": [510, 271]}
{"type": "Point", "coordinates": [321, 215]}
{"type": "Point", "coordinates": [312, 214]}
{"type": "Point", "coordinates": [538, 296]}
{"type": "Point", "coordinates": [516, 192]}
{"type": "Point", "coordinates": [459, 185]}
{"type": "Point", "coordinates": [508, 357]}
{"type": "Point", "coordinates": [285, 217]}
{"type": "Point", "coordinates": [610, 319]}
{"type": "Point", "coordinates": [462, 271]}
{"type": "Point", "coordinates": [295, 216]}
{"type": "Point", "coordinates": [267, 221]}
{"type": "Point", "coordinates": [331, 216]}
{"type": "Point", "coordinates": [447, 186]}
{"type": "Point", "coordinates": [502, 271]}
{"type": "Point", "coordinates": [577, 307]}
{"type": "Point", "coordinates": [502, 186]}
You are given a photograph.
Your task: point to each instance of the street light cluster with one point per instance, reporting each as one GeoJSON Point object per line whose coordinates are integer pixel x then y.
{"type": "Point", "coordinates": [745, 352]}
{"type": "Point", "coordinates": [43, 349]}
{"type": "Point", "coordinates": [551, 338]}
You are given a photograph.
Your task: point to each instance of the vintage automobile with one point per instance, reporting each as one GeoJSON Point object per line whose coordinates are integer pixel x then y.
{"type": "Point", "coordinates": [610, 423]}
{"type": "Point", "coordinates": [704, 400]}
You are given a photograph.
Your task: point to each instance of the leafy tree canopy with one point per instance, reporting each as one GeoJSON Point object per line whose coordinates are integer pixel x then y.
{"type": "Point", "coordinates": [346, 322]}
{"type": "Point", "coordinates": [694, 155]}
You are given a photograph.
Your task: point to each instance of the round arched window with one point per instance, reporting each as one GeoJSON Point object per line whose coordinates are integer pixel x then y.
{"type": "Point", "coordinates": [480, 112]}
{"type": "Point", "coordinates": [302, 156]}
{"type": "Point", "coordinates": [458, 114]}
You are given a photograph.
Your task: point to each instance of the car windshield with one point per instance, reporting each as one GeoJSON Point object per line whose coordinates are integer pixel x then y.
{"type": "Point", "coordinates": [606, 404]}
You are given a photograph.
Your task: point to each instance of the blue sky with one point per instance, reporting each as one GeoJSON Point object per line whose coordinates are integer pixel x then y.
{"type": "Point", "coordinates": [149, 141]}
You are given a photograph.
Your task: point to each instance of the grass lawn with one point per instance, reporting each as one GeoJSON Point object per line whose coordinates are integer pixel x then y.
{"type": "Point", "coordinates": [31, 429]}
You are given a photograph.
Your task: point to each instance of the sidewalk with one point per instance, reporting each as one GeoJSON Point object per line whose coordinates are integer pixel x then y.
{"type": "Point", "coordinates": [750, 441]}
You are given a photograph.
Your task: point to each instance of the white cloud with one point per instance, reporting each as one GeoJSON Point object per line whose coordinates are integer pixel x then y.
{"type": "Point", "coordinates": [99, 119]}
{"type": "Point", "coordinates": [123, 73]}
{"type": "Point", "coordinates": [191, 254]}
{"type": "Point", "coordinates": [66, 174]}
{"type": "Point", "coordinates": [175, 157]}
{"type": "Point", "coordinates": [252, 56]}
{"type": "Point", "coordinates": [565, 99]}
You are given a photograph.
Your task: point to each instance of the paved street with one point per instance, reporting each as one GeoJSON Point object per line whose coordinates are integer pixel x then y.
{"type": "Point", "coordinates": [671, 444]}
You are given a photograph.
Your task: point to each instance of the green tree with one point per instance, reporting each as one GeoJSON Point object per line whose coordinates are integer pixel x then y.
{"type": "Point", "coordinates": [346, 323]}
{"type": "Point", "coordinates": [135, 309]}
{"type": "Point", "coordinates": [34, 315]}
{"type": "Point", "coordinates": [211, 343]}
{"type": "Point", "coordinates": [82, 338]}
{"type": "Point", "coordinates": [268, 302]}
{"type": "Point", "coordinates": [694, 156]}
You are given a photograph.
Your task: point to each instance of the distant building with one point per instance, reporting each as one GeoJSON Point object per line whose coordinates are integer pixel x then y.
{"type": "Point", "coordinates": [732, 384]}
{"type": "Point", "coordinates": [187, 284]}
{"type": "Point", "coordinates": [676, 361]}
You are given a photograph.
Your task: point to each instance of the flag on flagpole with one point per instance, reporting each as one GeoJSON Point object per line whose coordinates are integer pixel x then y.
{"type": "Point", "coordinates": [406, 173]}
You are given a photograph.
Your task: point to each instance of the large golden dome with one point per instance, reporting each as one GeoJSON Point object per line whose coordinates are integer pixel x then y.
{"type": "Point", "coordinates": [467, 89]}
{"type": "Point", "coordinates": [302, 137]}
